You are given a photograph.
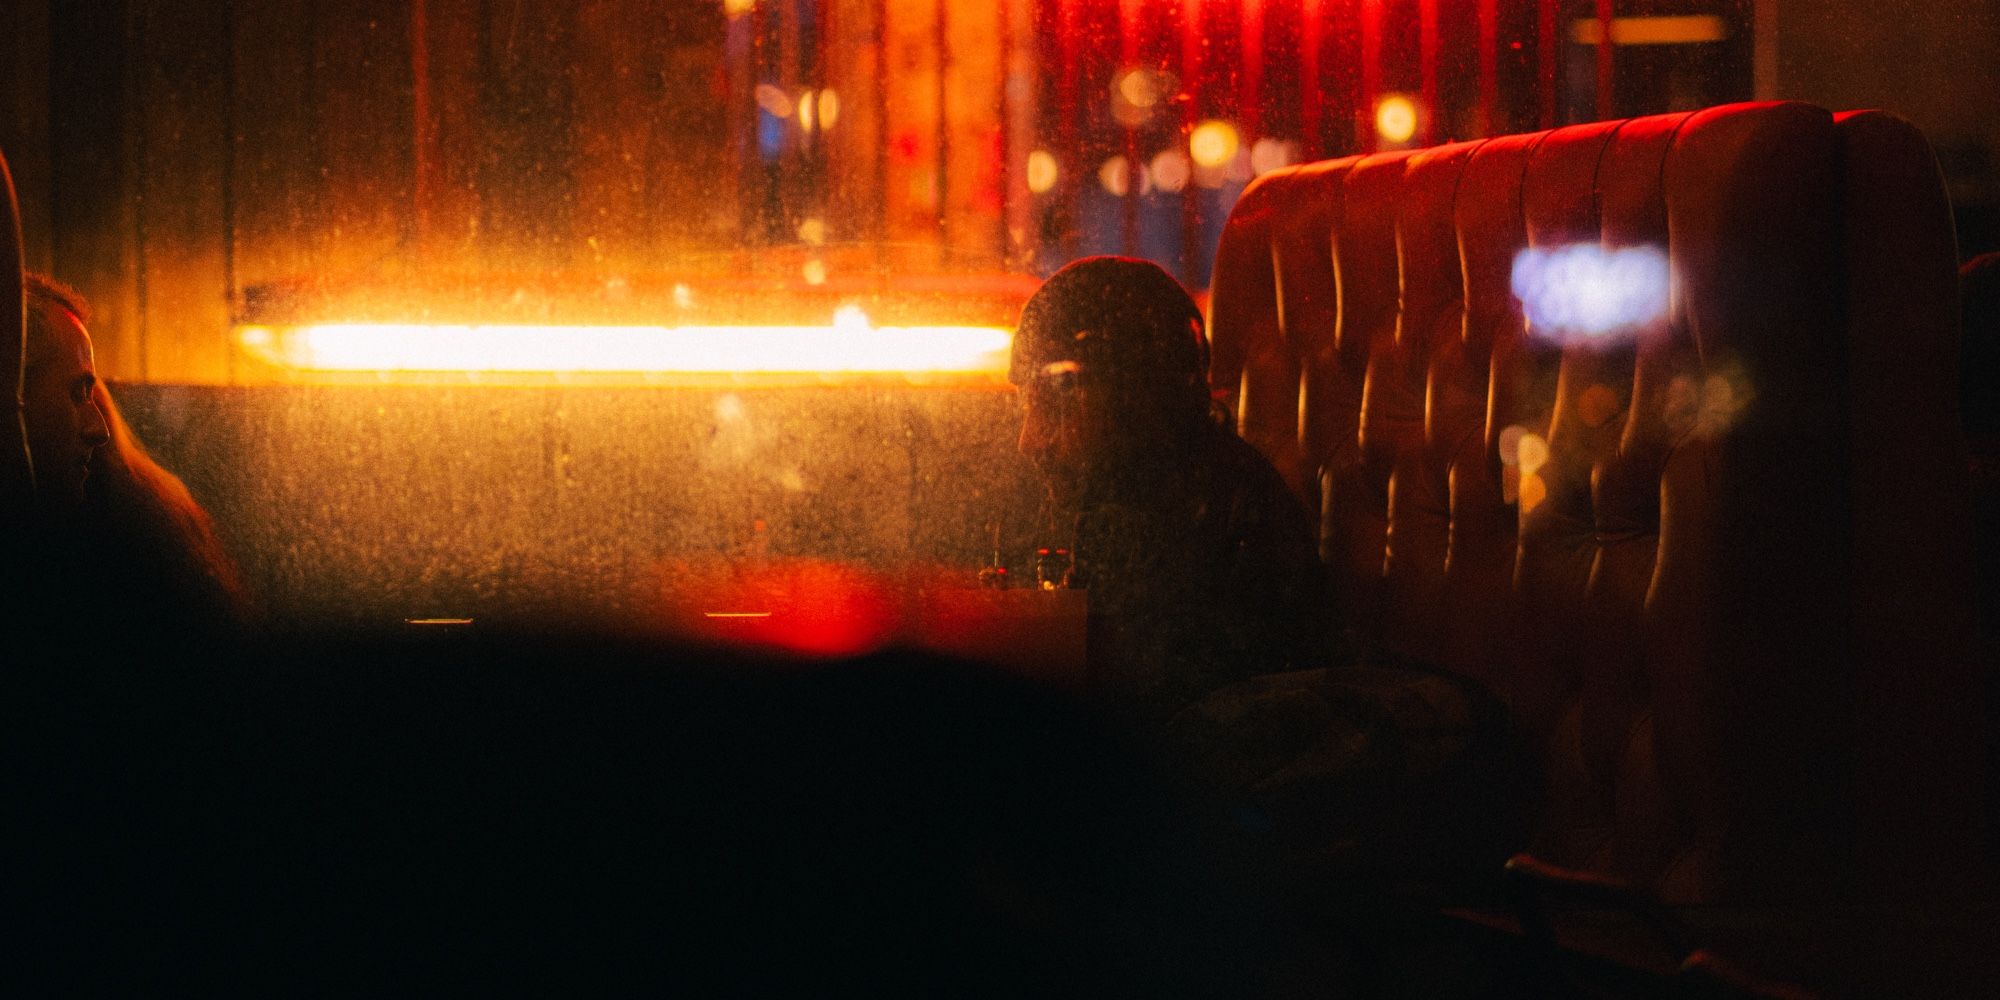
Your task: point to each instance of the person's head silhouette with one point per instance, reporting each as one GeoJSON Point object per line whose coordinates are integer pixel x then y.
{"type": "Point", "coordinates": [65, 427]}
{"type": "Point", "coordinates": [1112, 369]}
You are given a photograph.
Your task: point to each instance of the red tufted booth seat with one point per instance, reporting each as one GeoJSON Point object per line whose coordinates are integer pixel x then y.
{"type": "Point", "coordinates": [1715, 564]}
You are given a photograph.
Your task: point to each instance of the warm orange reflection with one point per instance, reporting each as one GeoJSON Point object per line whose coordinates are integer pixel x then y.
{"type": "Point", "coordinates": [850, 344]}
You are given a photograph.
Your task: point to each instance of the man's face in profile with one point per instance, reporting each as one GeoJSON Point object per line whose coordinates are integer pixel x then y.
{"type": "Point", "coordinates": [65, 427]}
{"type": "Point", "coordinates": [1062, 428]}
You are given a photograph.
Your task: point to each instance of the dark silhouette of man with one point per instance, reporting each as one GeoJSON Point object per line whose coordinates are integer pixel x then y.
{"type": "Point", "coordinates": [117, 548]}
{"type": "Point", "coordinates": [65, 428]}
{"type": "Point", "coordinates": [1200, 563]}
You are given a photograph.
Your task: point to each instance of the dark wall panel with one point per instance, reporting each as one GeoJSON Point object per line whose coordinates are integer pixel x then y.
{"type": "Point", "coordinates": [183, 165]}
{"type": "Point", "coordinates": [24, 123]}
{"type": "Point", "coordinates": [93, 183]}
{"type": "Point", "coordinates": [361, 103]}
{"type": "Point", "coordinates": [277, 195]}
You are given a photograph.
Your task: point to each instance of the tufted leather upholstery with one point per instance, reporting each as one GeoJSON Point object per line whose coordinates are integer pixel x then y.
{"type": "Point", "coordinates": [1715, 565]}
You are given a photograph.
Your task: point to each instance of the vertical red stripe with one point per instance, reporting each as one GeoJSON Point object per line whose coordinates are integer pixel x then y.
{"type": "Point", "coordinates": [1309, 81]}
{"type": "Point", "coordinates": [1548, 58]}
{"type": "Point", "coordinates": [1191, 86]}
{"type": "Point", "coordinates": [1128, 60]}
{"type": "Point", "coordinates": [1069, 130]}
{"type": "Point", "coordinates": [1191, 66]}
{"type": "Point", "coordinates": [879, 39]}
{"type": "Point", "coordinates": [1607, 103]}
{"type": "Point", "coordinates": [1128, 31]}
{"type": "Point", "coordinates": [1002, 108]}
{"type": "Point", "coordinates": [1250, 100]}
{"type": "Point", "coordinates": [1371, 72]}
{"type": "Point", "coordinates": [423, 182]}
{"type": "Point", "coordinates": [941, 41]}
{"type": "Point", "coordinates": [1489, 65]}
{"type": "Point", "coordinates": [1427, 61]}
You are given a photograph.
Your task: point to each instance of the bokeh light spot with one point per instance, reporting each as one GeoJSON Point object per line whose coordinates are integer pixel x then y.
{"type": "Point", "coordinates": [1267, 155]}
{"type": "Point", "coordinates": [1042, 171]}
{"type": "Point", "coordinates": [1510, 444]}
{"type": "Point", "coordinates": [1170, 170]}
{"type": "Point", "coordinates": [1722, 401]}
{"type": "Point", "coordinates": [1533, 492]}
{"type": "Point", "coordinates": [1271, 155]}
{"type": "Point", "coordinates": [1136, 94]}
{"type": "Point", "coordinates": [1597, 405]}
{"type": "Point", "coordinates": [1112, 176]}
{"type": "Point", "coordinates": [1586, 291]}
{"type": "Point", "coordinates": [1213, 143]}
{"type": "Point", "coordinates": [1532, 453]}
{"type": "Point", "coordinates": [1678, 409]}
{"type": "Point", "coordinates": [774, 100]}
{"type": "Point", "coordinates": [1140, 88]}
{"type": "Point", "coordinates": [1396, 118]}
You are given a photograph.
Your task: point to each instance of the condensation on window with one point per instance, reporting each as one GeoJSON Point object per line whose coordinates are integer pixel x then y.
{"type": "Point", "coordinates": [454, 307]}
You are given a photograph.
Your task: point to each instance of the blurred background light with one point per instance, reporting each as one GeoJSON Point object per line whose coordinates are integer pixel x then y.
{"type": "Point", "coordinates": [1396, 118]}
{"type": "Point", "coordinates": [1136, 93]}
{"type": "Point", "coordinates": [1669, 30]}
{"type": "Point", "coordinates": [1042, 171]}
{"type": "Point", "coordinates": [1213, 143]}
{"type": "Point", "coordinates": [1585, 290]}
{"type": "Point", "coordinates": [774, 100]}
{"type": "Point", "coordinates": [1140, 87]}
{"type": "Point", "coordinates": [1112, 176]}
{"type": "Point", "coordinates": [1267, 155]}
{"type": "Point", "coordinates": [1170, 170]}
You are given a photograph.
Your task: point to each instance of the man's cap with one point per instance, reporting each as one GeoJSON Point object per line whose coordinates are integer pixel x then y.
{"type": "Point", "coordinates": [1115, 316]}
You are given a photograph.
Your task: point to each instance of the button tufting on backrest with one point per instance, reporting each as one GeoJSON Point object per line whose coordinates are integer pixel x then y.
{"type": "Point", "coordinates": [1630, 504]}
{"type": "Point", "coordinates": [1355, 482]}
{"type": "Point", "coordinates": [1309, 300]}
{"type": "Point", "coordinates": [1485, 482]}
{"type": "Point", "coordinates": [1431, 401]}
{"type": "Point", "coordinates": [1249, 363]}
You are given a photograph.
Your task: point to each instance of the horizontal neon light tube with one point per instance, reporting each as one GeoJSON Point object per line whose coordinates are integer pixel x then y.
{"type": "Point", "coordinates": [1682, 29]}
{"type": "Point", "coordinates": [846, 346]}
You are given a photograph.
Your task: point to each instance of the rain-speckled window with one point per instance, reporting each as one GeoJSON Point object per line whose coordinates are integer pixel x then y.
{"type": "Point", "coordinates": [476, 308]}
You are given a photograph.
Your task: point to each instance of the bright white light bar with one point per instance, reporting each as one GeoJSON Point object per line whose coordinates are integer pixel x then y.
{"type": "Point", "coordinates": [845, 347]}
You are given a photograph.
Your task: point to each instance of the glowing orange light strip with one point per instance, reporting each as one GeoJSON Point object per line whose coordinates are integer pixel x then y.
{"type": "Point", "coordinates": [847, 346]}
{"type": "Point", "coordinates": [1671, 30]}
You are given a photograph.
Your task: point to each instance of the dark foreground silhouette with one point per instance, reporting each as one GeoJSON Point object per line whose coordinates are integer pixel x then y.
{"type": "Point", "coordinates": [462, 811]}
